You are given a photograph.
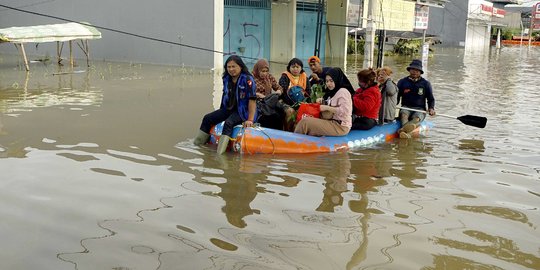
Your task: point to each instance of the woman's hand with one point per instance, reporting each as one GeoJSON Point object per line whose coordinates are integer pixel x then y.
{"type": "Point", "coordinates": [248, 123]}
{"type": "Point", "coordinates": [260, 95]}
{"type": "Point", "coordinates": [319, 100]}
{"type": "Point", "coordinates": [431, 112]}
{"type": "Point", "coordinates": [327, 108]}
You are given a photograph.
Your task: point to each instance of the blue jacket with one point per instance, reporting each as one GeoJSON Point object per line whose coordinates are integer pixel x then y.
{"type": "Point", "coordinates": [414, 94]}
{"type": "Point", "coordinates": [245, 89]}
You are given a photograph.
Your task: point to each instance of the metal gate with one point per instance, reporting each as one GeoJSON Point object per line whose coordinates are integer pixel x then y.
{"type": "Point", "coordinates": [247, 25]}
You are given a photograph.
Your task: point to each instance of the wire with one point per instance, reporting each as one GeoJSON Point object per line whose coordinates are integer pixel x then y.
{"type": "Point", "coordinates": [131, 34]}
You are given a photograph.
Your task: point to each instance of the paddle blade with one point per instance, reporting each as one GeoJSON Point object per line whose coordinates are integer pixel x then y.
{"type": "Point", "coordinates": [473, 120]}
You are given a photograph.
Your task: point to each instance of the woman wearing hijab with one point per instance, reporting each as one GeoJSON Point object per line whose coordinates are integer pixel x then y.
{"type": "Point", "coordinates": [266, 83]}
{"type": "Point", "coordinates": [271, 111]}
{"type": "Point", "coordinates": [338, 101]}
{"type": "Point", "coordinates": [366, 100]}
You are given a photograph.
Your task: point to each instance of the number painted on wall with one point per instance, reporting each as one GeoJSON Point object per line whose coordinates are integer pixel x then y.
{"type": "Point", "coordinates": [247, 33]}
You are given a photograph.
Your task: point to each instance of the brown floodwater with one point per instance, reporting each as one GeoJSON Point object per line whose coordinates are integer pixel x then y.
{"type": "Point", "coordinates": [98, 171]}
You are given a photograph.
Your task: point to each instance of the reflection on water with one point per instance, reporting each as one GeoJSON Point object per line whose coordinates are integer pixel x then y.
{"type": "Point", "coordinates": [99, 172]}
{"type": "Point", "coordinates": [411, 155]}
{"type": "Point", "coordinates": [495, 246]}
{"type": "Point", "coordinates": [19, 97]}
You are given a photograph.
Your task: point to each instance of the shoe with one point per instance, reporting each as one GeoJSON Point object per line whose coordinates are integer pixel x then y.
{"type": "Point", "coordinates": [222, 144]}
{"type": "Point", "coordinates": [404, 135]}
{"type": "Point", "coordinates": [202, 138]}
{"type": "Point", "coordinates": [409, 127]}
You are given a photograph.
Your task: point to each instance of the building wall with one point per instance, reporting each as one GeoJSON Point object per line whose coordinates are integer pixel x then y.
{"type": "Point", "coordinates": [283, 40]}
{"type": "Point", "coordinates": [247, 32]}
{"type": "Point", "coordinates": [478, 36]}
{"type": "Point", "coordinates": [449, 23]}
{"type": "Point", "coordinates": [336, 36]}
{"type": "Point", "coordinates": [510, 19]}
{"type": "Point", "coordinates": [187, 22]}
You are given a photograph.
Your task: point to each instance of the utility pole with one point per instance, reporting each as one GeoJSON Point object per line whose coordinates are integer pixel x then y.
{"type": "Point", "coordinates": [498, 43]}
{"type": "Point", "coordinates": [530, 29]}
{"type": "Point", "coordinates": [380, 47]}
{"type": "Point", "coordinates": [369, 45]}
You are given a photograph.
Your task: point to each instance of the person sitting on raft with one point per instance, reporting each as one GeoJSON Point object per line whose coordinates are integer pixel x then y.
{"type": "Point", "coordinates": [414, 92]}
{"type": "Point", "coordinates": [318, 71]}
{"type": "Point", "coordinates": [294, 82]}
{"type": "Point", "coordinates": [238, 104]}
{"type": "Point", "coordinates": [389, 92]}
{"type": "Point", "coordinates": [296, 89]}
{"type": "Point", "coordinates": [337, 101]}
{"type": "Point", "coordinates": [366, 100]}
{"type": "Point", "coordinates": [271, 111]}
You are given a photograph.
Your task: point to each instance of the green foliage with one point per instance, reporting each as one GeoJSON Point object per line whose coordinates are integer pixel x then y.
{"type": "Point", "coordinates": [536, 35]}
{"type": "Point", "coordinates": [292, 117]}
{"type": "Point", "coordinates": [408, 46]}
{"type": "Point", "coordinates": [359, 46]}
{"type": "Point", "coordinates": [317, 91]}
{"type": "Point", "coordinates": [507, 33]}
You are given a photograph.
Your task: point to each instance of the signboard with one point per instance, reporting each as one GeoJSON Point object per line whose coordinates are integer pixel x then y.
{"type": "Point", "coordinates": [425, 55]}
{"type": "Point", "coordinates": [354, 13]}
{"type": "Point", "coordinates": [397, 15]}
{"type": "Point", "coordinates": [480, 10]}
{"type": "Point", "coordinates": [421, 17]}
{"type": "Point", "coordinates": [499, 12]}
{"type": "Point", "coordinates": [486, 8]}
{"type": "Point", "coordinates": [535, 19]}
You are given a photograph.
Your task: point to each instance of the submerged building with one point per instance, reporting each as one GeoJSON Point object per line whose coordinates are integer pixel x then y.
{"type": "Point", "coordinates": [468, 23]}
{"type": "Point", "coordinates": [191, 33]}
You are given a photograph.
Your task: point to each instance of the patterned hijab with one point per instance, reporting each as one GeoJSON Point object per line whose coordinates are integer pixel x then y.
{"type": "Point", "coordinates": [262, 63]}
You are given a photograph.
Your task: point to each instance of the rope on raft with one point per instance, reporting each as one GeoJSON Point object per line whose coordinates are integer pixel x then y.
{"type": "Point", "coordinates": [259, 128]}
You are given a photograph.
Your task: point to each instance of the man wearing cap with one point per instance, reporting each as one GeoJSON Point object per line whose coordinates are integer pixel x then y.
{"type": "Point", "coordinates": [318, 72]}
{"type": "Point", "coordinates": [414, 92]}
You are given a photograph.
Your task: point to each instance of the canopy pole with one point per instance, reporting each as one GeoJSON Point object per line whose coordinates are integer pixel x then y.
{"type": "Point", "coordinates": [23, 52]}
{"type": "Point", "coordinates": [87, 53]}
{"type": "Point", "coordinates": [58, 52]}
{"type": "Point", "coordinates": [71, 53]}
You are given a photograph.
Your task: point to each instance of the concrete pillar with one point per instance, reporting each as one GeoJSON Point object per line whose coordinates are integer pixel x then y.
{"type": "Point", "coordinates": [336, 36]}
{"type": "Point", "coordinates": [283, 36]}
{"type": "Point", "coordinates": [219, 10]}
{"type": "Point", "coordinates": [369, 45]}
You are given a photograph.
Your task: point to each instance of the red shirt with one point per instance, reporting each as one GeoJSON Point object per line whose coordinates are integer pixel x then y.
{"type": "Point", "coordinates": [367, 102]}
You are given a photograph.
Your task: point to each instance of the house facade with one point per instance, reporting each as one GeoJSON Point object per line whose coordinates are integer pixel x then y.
{"type": "Point", "coordinates": [467, 23]}
{"type": "Point", "coordinates": [195, 23]}
{"type": "Point", "coordinates": [191, 33]}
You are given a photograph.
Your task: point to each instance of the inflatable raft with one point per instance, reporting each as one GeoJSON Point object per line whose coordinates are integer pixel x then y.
{"type": "Point", "coordinates": [259, 140]}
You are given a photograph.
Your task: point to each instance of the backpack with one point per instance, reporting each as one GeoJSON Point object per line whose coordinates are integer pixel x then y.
{"type": "Point", "coordinates": [296, 94]}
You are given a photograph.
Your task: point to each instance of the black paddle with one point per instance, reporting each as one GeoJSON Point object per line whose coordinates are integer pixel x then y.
{"type": "Point", "coordinates": [470, 120]}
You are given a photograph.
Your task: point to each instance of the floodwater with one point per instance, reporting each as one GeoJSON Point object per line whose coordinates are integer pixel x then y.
{"type": "Point", "coordinates": [98, 172]}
